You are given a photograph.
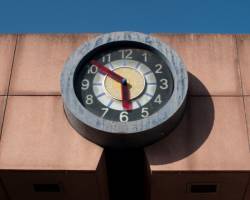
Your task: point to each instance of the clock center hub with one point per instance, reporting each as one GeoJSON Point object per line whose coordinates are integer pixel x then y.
{"type": "Point", "coordinates": [135, 81]}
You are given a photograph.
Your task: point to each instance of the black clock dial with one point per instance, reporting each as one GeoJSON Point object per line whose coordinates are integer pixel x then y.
{"type": "Point", "coordinates": [124, 89]}
{"type": "Point", "coordinates": [123, 81]}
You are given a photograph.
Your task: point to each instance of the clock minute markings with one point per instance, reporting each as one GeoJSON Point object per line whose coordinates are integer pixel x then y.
{"type": "Point", "coordinates": [151, 83]}
{"type": "Point", "coordinates": [147, 73]}
{"type": "Point", "coordinates": [111, 65]}
{"type": "Point", "coordinates": [137, 65]}
{"type": "Point", "coordinates": [150, 95]}
{"type": "Point", "coordinates": [97, 84]}
{"type": "Point", "coordinates": [100, 95]}
{"type": "Point", "coordinates": [138, 103]}
{"type": "Point", "coordinates": [110, 103]}
{"type": "Point", "coordinates": [125, 62]}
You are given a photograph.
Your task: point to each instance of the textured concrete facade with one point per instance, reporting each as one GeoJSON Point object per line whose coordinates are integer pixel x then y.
{"type": "Point", "coordinates": [41, 155]}
{"type": "Point", "coordinates": [209, 146]}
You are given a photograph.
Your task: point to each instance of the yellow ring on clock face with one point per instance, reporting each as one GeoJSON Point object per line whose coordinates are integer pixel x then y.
{"type": "Point", "coordinates": [135, 80]}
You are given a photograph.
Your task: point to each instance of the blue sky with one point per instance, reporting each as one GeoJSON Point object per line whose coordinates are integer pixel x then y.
{"type": "Point", "coordinates": [74, 16]}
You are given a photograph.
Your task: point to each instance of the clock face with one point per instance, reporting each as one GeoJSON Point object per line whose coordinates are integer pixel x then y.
{"type": "Point", "coordinates": [124, 89]}
{"type": "Point", "coordinates": [123, 81]}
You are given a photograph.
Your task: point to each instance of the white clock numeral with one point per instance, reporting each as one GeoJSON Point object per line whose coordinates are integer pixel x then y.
{"type": "Point", "coordinates": [106, 58]}
{"type": "Point", "coordinates": [105, 111]}
{"type": "Point", "coordinates": [124, 116]}
{"type": "Point", "coordinates": [158, 99]}
{"type": "Point", "coordinates": [145, 55]}
{"type": "Point", "coordinates": [159, 68]}
{"type": "Point", "coordinates": [93, 69]}
{"type": "Point", "coordinates": [144, 112]}
{"type": "Point", "coordinates": [164, 83]}
{"type": "Point", "coordinates": [85, 84]}
{"type": "Point", "coordinates": [126, 53]}
{"type": "Point", "coordinates": [89, 99]}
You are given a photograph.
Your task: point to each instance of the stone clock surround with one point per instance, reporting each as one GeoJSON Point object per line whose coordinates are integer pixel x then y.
{"type": "Point", "coordinates": [133, 133]}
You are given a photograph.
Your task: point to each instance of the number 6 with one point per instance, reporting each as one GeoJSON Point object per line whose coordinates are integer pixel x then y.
{"type": "Point", "coordinates": [124, 116]}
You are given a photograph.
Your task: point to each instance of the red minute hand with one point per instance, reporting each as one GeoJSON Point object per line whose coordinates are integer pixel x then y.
{"type": "Point", "coordinates": [126, 97]}
{"type": "Point", "coordinates": [107, 71]}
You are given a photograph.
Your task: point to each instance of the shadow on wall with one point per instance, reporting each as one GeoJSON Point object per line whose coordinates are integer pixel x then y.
{"type": "Point", "coordinates": [192, 131]}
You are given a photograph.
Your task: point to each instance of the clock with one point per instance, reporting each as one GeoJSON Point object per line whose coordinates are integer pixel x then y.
{"type": "Point", "coordinates": [124, 89]}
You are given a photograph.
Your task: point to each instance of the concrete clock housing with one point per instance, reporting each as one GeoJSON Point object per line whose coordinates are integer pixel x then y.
{"type": "Point", "coordinates": [124, 89]}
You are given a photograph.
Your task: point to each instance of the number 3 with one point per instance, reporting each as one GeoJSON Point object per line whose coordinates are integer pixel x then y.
{"type": "Point", "coordinates": [164, 84]}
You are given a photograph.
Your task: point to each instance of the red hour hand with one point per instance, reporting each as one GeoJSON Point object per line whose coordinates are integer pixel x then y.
{"type": "Point", "coordinates": [107, 71]}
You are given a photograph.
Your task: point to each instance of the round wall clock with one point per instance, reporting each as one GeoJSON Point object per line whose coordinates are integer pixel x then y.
{"type": "Point", "coordinates": [124, 89]}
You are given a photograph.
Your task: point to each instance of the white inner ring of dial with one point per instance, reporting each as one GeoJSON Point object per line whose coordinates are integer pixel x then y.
{"type": "Point", "coordinates": [144, 98]}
